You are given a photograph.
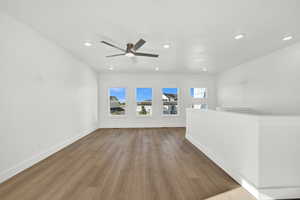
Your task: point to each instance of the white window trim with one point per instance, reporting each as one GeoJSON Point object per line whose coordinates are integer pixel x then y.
{"type": "Point", "coordinates": [126, 105]}
{"type": "Point", "coordinates": [199, 100]}
{"type": "Point", "coordinates": [178, 103]}
{"type": "Point", "coordinates": [135, 95]}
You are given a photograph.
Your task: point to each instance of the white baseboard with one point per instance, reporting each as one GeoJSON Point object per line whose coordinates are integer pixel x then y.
{"type": "Point", "coordinates": [41, 156]}
{"type": "Point", "coordinates": [280, 193]}
{"type": "Point", "coordinates": [258, 193]}
{"type": "Point", "coordinates": [138, 124]}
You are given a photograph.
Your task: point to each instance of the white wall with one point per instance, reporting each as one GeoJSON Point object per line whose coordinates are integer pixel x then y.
{"type": "Point", "coordinates": [48, 99]}
{"type": "Point", "coordinates": [269, 84]}
{"type": "Point", "coordinates": [157, 82]}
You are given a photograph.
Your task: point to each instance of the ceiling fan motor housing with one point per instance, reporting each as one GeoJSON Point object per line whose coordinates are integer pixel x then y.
{"type": "Point", "coordinates": [129, 47]}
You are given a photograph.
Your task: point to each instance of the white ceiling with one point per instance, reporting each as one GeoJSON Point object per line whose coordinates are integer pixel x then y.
{"type": "Point", "coordinates": [200, 32]}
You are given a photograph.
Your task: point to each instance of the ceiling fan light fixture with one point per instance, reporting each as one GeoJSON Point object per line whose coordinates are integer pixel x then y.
{"type": "Point", "coordinates": [129, 54]}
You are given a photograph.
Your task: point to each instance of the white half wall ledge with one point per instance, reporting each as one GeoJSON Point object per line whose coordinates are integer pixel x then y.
{"type": "Point", "coordinates": [258, 151]}
{"type": "Point", "coordinates": [222, 164]}
{"type": "Point", "coordinates": [25, 164]}
{"type": "Point", "coordinates": [258, 193]}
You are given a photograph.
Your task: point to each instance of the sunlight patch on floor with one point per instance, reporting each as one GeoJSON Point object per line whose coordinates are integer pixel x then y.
{"type": "Point", "coordinates": [236, 194]}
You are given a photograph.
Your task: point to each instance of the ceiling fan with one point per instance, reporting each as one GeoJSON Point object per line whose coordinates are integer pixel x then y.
{"type": "Point", "coordinates": [131, 50]}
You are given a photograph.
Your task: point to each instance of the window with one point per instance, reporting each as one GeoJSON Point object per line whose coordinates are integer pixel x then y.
{"type": "Point", "coordinates": [170, 101]}
{"type": "Point", "coordinates": [202, 106]}
{"type": "Point", "coordinates": [117, 101]}
{"type": "Point", "coordinates": [199, 93]}
{"type": "Point", "coordinates": [199, 98]}
{"type": "Point", "coordinates": [144, 101]}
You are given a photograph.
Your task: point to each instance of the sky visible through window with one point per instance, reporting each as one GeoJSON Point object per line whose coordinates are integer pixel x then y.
{"type": "Point", "coordinates": [192, 92]}
{"type": "Point", "coordinates": [143, 94]}
{"type": "Point", "coordinates": [119, 93]}
{"type": "Point", "coordinates": [170, 90]}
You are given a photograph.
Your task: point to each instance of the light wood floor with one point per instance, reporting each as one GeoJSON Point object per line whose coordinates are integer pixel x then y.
{"type": "Point", "coordinates": [123, 164]}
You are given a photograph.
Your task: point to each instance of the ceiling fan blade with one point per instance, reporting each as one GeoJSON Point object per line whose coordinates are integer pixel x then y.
{"type": "Point", "coordinates": [114, 46]}
{"type": "Point", "coordinates": [121, 54]}
{"type": "Point", "coordinates": [139, 44]}
{"type": "Point", "coordinates": [146, 54]}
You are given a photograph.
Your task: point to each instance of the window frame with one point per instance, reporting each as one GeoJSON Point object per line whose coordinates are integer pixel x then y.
{"type": "Point", "coordinates": [206, 91]}
{"type": "Point", "coordinates": [162, 104]}
{"type": "Point", "coordinates": [126, 104]}
{"type": "Point", "coordinates": [135, 101]}
{"type": "Point", "coordinates": [198, 101]}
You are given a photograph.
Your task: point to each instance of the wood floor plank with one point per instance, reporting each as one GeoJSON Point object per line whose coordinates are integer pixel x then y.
{"type": "Point", "coordinates": [124, 164]}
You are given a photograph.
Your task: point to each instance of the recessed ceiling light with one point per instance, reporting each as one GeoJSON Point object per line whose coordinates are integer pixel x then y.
{"type": "Point", "coordinates": [166, 46]}
{"type": "Point", "coordinates": [286, 38]}
{"type": "Point", "coordinates": [204, 69]}
{"type": "Point", "coordinates": [88, 44]}
{"type": "Point", "coordinates": [239, 36]}
{"type": "Point", "coordinates": [111, 68]}
{"type": "Point", "coordinates": [156, 68]}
